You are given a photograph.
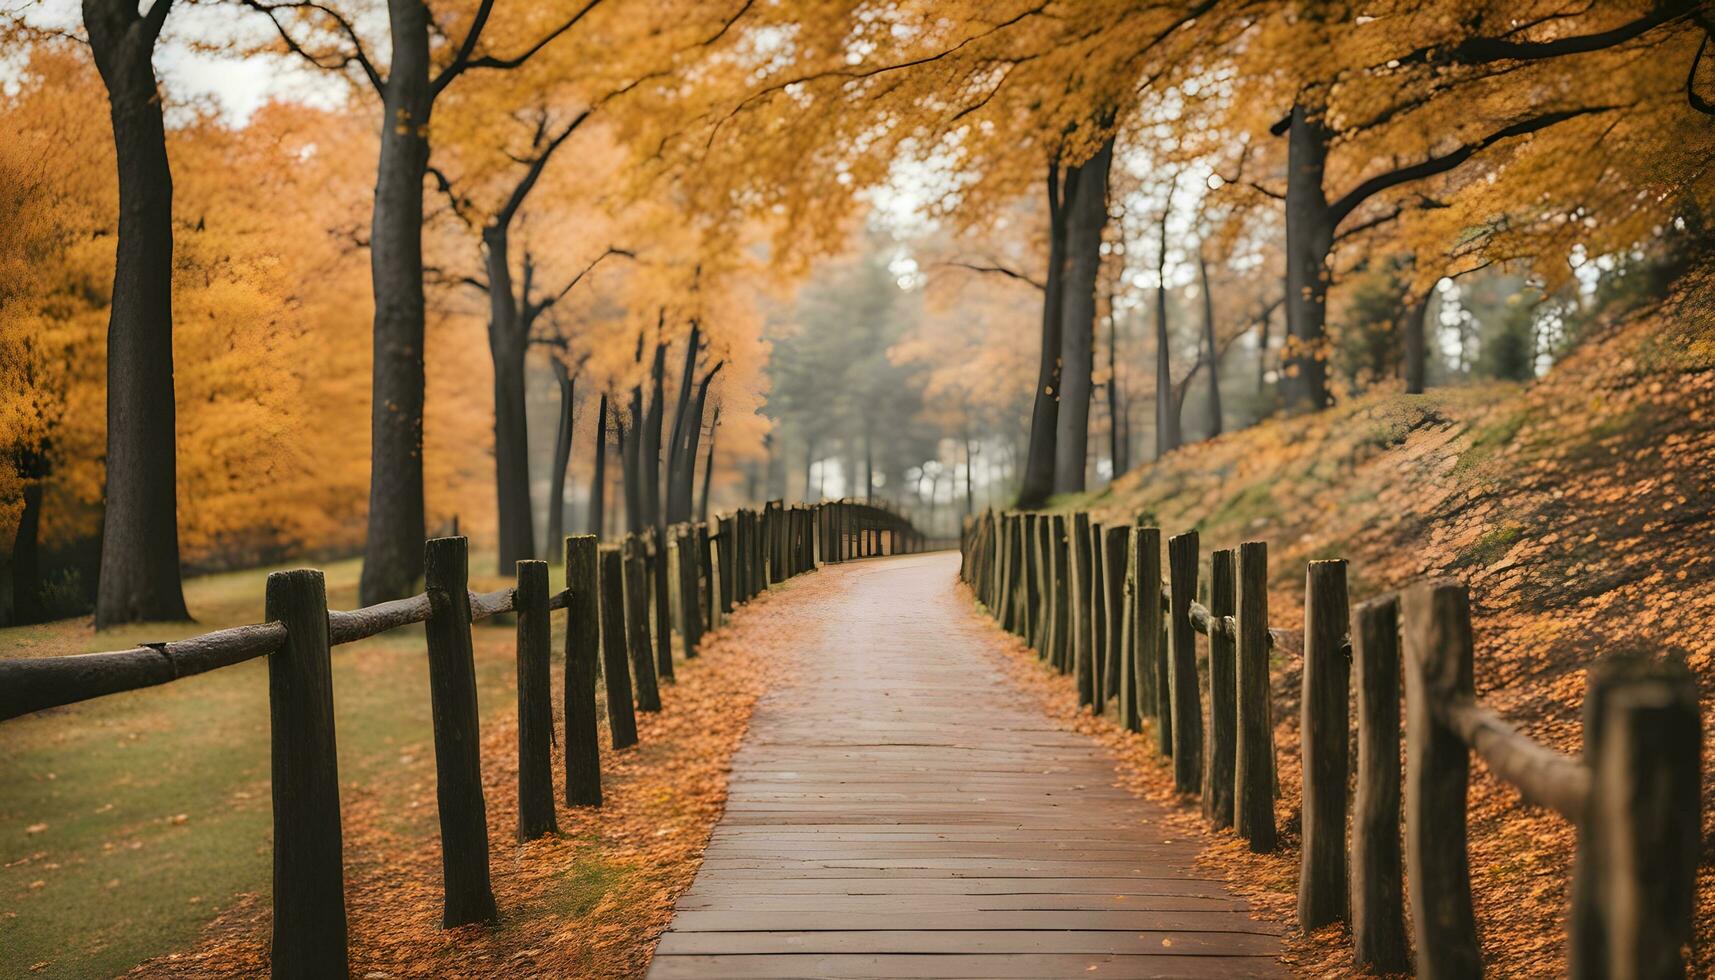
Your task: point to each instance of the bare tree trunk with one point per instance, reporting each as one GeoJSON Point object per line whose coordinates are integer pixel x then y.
{"type": "Point", "coordinates": [1309, 239]}
{"type": "Point", "coordinates": [27, 605]}
{"type": "Point", "coordinates": [1416, 345]}
{"type": "Point", "coordinates": [598, 480]}
{"type": "Point", "coordinates": [507, 344]}
{"type": "Point", "coordinates": [139, 535]}
{"type": "Point", "coordinates": [1087, 217]}
{"type": "Point", "coordinates": [709, 467]}
{"type": "Point", "coordinates": [650, 446]}
{"type": "Point", "coordinates": [1212, 353]}
{"type": "Point", "coordinates": [970, 479]}
{"type": "Point", "coordinates": [680, 453]}
{"type": "Point", "coordinates": [1167, 435]}
{"type": "Point", "coordinates": [562, 462]}
{"type": "Point", "coordinates": [393, 548]}
{"type": "Point", "coordinates": [1045, 406]}
{"type": "Point", "coordinates": [1116, 426]}
{"type": "Point", "coordinates": [868, 463]}
{"type": "Point", "coordinates": [631, 468]}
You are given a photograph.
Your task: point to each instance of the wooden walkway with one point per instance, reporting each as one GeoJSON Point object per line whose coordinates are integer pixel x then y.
{"type": "Point", "coordinates": [899, 810]}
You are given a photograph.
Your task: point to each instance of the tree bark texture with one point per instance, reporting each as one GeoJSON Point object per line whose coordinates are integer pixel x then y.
{"type": "Point", "coordinates": [1087, 218]}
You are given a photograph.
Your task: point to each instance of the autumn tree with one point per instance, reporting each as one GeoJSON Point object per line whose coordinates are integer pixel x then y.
{"type": "Point", "coordinates": [408, 87]}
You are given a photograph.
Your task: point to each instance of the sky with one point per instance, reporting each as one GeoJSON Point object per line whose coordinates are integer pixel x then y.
{"type": "Point", "coordinates": [192, 74]}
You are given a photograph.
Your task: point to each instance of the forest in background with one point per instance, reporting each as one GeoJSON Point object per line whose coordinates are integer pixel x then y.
{"type": "Point", "coordinates": [948, 257]}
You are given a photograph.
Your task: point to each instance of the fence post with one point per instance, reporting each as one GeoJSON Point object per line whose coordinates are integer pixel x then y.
{"type": "Point", "coordinates": [1131, 677]}
{"type": "Point", "coordinates": [1438, 669]}
{"type": "Point", "coordinates": [1378, 901]}
{"type": "Point", "coordinates": [1114, 550]}
{"type": "Point", "coordinates": [1223, 693]}
{"type": "Point", "coordinates": [1060, 562]}
{"type": "Point", "coordinates": [759, 551]}
{"type": "Point", "coordinates": [1634, 892]}
{"type": "Point", "coordinates": [1182, 651]}
{"type": "Point", "coordinates": [1324, 739]}
{"type": "Point", "coordinates": [1147, 623]}
{"type": "Point", "coordinates": [706, 578]}
{"type": "Point", "coordinates": [1253, 761]}
{"type": "Point", "coordinates": [1032, 582]}
{"type": "Point", "coordinates": [654, 550]}
{"type": "Point", "coordinates": [637, 621]}
{"type": "Point", "coordinates": [458, 763]}
{"type": "Point", "coordinates": [535, 704]}
{"type": "Point", "coordinates": [1098, 621]}
{"type": "Point", "coordinates": [690, 617]}
{"type": "Point", "coordinates": [309, 876]}
{"type": "Point", "coordinates": [621, 719]}
{"type": "Point", "coordinates": [727, 539]}
{"type": "Point", "coordinates": [1083, 627]}
{"type": "Point", "coordinates": [583, 636]}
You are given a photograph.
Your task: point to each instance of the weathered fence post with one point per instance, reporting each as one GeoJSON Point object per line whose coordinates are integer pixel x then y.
{"type": "Point", "coordinates": [458, 763]}
{"type": "Point", "coordinates": [637, 616]}
{"type": "Point", "coordinates": [1223, 693]}
{"type": "Point", "coordinates": [583, 635]}
{"type": "Point", "coordinates": [1147, 613]}
{"type": "Point", "coordinates": [759, 553]}
{"type": "Point", "coordinates": [1325, 737]}
{"type": "Point", "coordinates": [621, 719]}
{"type": "Point", "coordinates": [1083, 625]}
{"type": "Point", "coordinates": [1098, 621]}
{"type": "Point", "coordinates": [535, 703]}
{"type": "Point", "coordinates": [728, 537]}
{"type": "Point", "coordinates": [706, 578]}
{"type": "Point", "coordinates": [774, 520]}
{"type": "Point", "coordinates": [1253, 762]}
{"type": "Point", "coordinates": [1131, 678]}
{"type": "Point", "coordinates": [690, 616]}
{"type": "Point", "coordinates": [1114, 550]}
{"type": "Point", "coordinates": [1182, 649]}
{"type": "Point", "coordinates": [655, 549]}
{"type": "Point", "coordinates": [1437, 670]}
{"type": "Point", "coordinates": [1035, 595]}
{"type": "Point", "coordinates": [1060, 551]}
{"type": "Point", "coordinates": [309, 875]}
{"type": "Point", "coordinates": [1378, 899]}
{"type": "Point", "coordinates": [1634, 893]}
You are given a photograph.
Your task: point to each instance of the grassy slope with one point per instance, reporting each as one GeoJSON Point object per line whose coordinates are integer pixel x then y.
{"type": "Point", "coordinates": [1578, 508]}
{"type": "Point", "coordinates": [127, 823]}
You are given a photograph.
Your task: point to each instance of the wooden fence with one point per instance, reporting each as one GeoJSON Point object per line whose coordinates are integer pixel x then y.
{"type": "Point", "coordinates": [1092, 602]}
{"type": "Point", "coordinates": [608, 635]}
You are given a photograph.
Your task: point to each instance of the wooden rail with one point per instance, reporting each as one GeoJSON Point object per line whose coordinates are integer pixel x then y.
{"type": "Point", "coordinates": [609, 594]}
{"type": "Point", "coordinates": [1634, 795]}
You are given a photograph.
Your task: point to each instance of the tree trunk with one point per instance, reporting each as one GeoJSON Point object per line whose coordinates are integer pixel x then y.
{"type": "Point", "coordinates": [393, 549]}
{"type": "Point", "coordinates": [562, 462]}
{"type": "Point", "coordinates": [27, 606]}
{"type": "Point", "coordinates": [868, 463]}
{"type": "Point", "coordinates": [1087, 217]}
{"type": "Point", "coordinates": [970, 479]}
{"type": "Point", "coordinates": [1116, 423]}
{"type": "Point", "coordinates": [1309, 239]}
{"type": "Point", "coordinates": [649, 446]}
{"type": "Point", "coordinates": [680, 453]}
{"type": "Point", "coordinates": [1038, 480]}
{"type": "Point", "coordinates": [1416, 345]}
{"type": "Point", "coordinates": [1212, 353]}
{"type": "Point", "coordinates": [1167, 435]}
{"type": "Point", "coordinates": [598, 480]}
{"type": "Point", "coordinates": [507, 345]}
{"type": "Point", "coordinates": [709, 467]}
{"type": "Point", "coordinates": [629, 470]}
{"type": "Point", "coordinates": [139, 536]}
{"type": "Point", "coordinates": [693, 438]}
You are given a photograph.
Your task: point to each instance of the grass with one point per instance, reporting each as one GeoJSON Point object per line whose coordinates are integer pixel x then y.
{"type": "Point", "coordinates": [126, 823]}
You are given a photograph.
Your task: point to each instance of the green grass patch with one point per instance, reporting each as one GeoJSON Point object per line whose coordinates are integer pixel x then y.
{"type": "Point", "coordinates": [1490, 548]}
{"type": "Point", "coordinates": [126, 823]}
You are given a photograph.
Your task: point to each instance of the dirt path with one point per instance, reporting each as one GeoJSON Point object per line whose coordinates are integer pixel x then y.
{"type": "Point", "coordinates": [899, 809]}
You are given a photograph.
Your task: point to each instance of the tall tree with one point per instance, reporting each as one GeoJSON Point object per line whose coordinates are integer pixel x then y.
{"type": "Point", "coordinates": [1087, 219]}
{"type": "Point", "coordinates": [140, 531]}
{"type": "Point", "coordinates": [1039, 459]}
{"type": "Point", "coordinates": [392, 554]}
{"type": "Point", "coordinates": [598, 472]}
{"type": "Point", "coordinates": [1209, 350]}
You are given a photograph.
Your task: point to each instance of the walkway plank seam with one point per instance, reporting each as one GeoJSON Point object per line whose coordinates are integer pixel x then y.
{"type": "Point", "coordinates": [899, 809]}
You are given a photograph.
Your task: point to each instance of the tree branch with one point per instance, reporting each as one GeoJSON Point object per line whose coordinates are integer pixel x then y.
{"type": "Point", "coordinates": [999, 270]}
{"type": "Point", "coordinates": [459, 67]}
{"type": "Point", "coordinates": [1487, 50]}
{"type": "Point", "coordinates": [1343, 207]}
{"type": "Point", "coordinates": [358, 55]}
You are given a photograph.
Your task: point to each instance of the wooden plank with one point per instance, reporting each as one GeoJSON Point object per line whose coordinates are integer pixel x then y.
{"type": "Point", "coordinates": [674, 967]}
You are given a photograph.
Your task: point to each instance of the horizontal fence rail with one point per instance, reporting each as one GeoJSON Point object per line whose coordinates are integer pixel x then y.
{"type": "Point", "coordinates": [620, 620]}
{"type": "Point", "coordinates": [1634, 795]}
